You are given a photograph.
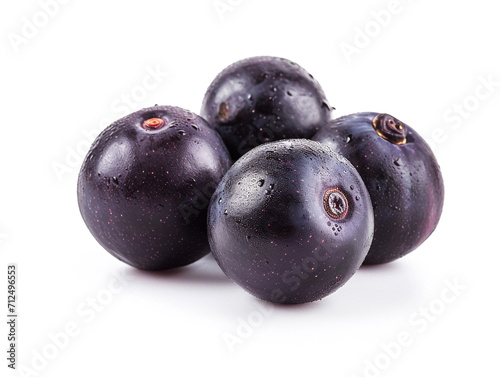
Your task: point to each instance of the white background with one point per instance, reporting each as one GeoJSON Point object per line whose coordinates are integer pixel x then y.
{"type": "Point", "coordinates": [69, 76]}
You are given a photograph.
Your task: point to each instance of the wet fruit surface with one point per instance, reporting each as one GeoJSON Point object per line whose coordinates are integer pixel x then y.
{"type": "Point", "coordinates": [263, 99]}
{"type": "Point", "coordinates": [401, 174]}
{"type": "Point", "coordinates": [145, 185]}
{"type": "Point", "coordinates": [291, 221]}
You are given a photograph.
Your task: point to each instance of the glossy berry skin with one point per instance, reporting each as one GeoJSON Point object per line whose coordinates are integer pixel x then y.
{"type": "Point", "coordinates": [291, 221]}
{"type": "Point", "coordinates": [401, 174]}
{"type": "Point", "coordinates": [262, 99]}
{"type": "Point", "coordinates": [145, 185]}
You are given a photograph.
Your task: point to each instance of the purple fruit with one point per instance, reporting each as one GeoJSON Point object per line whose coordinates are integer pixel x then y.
{"type": "Point", "coordinates": [262, 99]}
{"type": "Point", "coordinates": [401, 174]}
{"type": "Point", "coordinates": [291, 221]}
{"type": "Point", "coordinates": [145, 185]}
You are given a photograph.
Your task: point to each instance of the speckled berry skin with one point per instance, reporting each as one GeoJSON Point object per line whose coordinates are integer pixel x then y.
{"type": "Point", "coordinates": [144, 192]}
{"type": "Point", "coordinates": [269, 229]}
{"type": "Point", "coordinates": [403, 178]}
{"type": "Point", "coordinates": [263, 99]}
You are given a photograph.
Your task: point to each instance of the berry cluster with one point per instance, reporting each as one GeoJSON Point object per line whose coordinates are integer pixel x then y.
{"type": "Point", "coordinates": [290, 201]}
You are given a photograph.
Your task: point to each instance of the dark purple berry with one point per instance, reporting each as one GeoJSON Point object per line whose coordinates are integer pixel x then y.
{"type": "Point", "coordinates": [401, 174]}
{"type": "Point", "coordinates": [291, 221]}
{"type": "Point", "coordinates": [145, 186]}
{"type": "Point", "coordinates": [263, 99]}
